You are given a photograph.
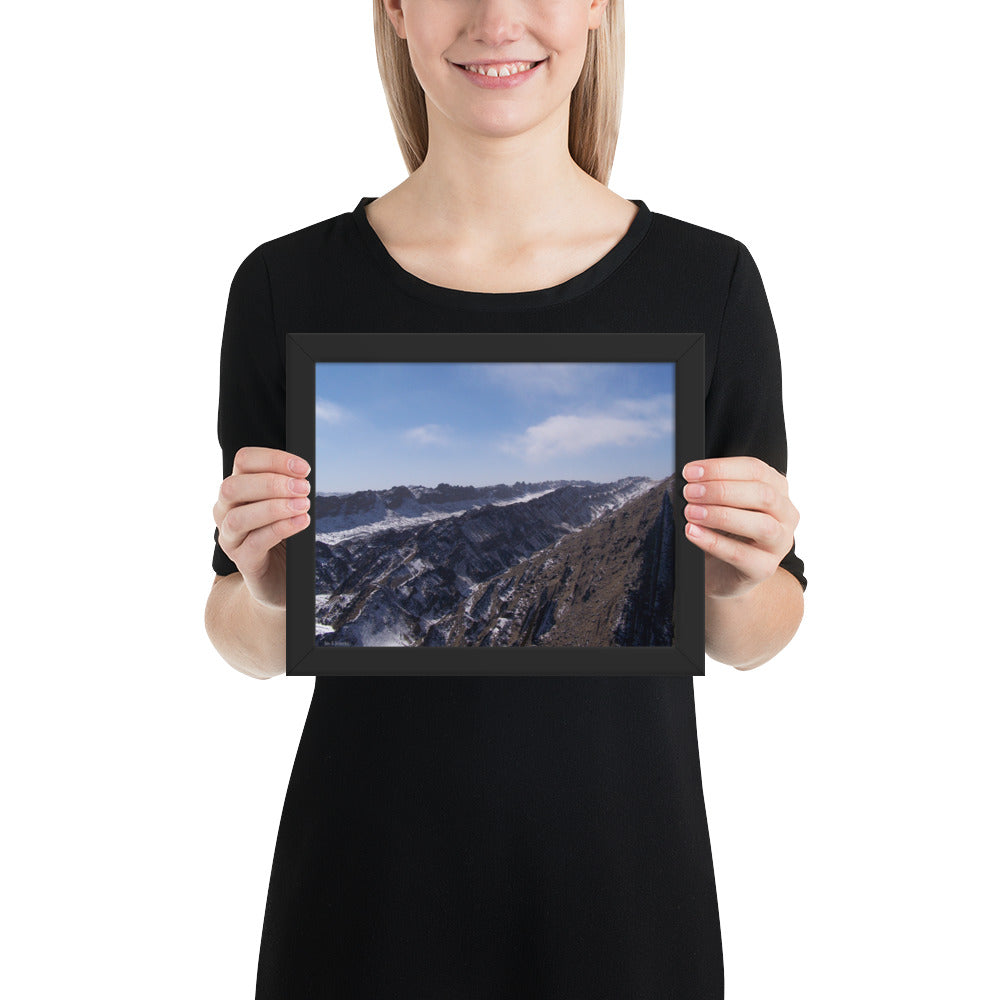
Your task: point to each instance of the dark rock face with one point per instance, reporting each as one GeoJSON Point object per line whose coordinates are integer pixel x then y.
{"type": "Point", "coordinates": [584, 564]}
{"type": "Point", "coordinates": [648, 612]}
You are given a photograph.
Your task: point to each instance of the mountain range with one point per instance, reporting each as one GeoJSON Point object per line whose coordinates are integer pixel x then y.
{"type": "Point", "coordinates": [559, 563]}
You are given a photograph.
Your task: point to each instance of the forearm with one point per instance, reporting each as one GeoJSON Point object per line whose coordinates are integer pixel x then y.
{"type": "Point", "coordinates": [747, 631]}
{"type": "Point", "coordinates": [247, 635]}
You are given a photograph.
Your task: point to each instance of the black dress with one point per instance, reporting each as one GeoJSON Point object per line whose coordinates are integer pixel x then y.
{"type": "Point", "coordinates": [479, 838]}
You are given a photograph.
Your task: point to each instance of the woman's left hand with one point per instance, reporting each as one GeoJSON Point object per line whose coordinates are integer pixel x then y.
{"type": "Point", "coordinates": [739, 514]}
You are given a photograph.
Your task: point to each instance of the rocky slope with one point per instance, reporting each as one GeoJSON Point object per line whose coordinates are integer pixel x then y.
{"type": "Point", "coordinates": [578, 564]}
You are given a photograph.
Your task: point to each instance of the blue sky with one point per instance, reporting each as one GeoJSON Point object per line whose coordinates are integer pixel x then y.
{"type": "Point", "coordinates": [474, 424]}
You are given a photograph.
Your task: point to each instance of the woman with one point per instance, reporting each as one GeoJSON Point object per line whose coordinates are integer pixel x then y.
{"type": "Point", "coordinates": [480, 837]}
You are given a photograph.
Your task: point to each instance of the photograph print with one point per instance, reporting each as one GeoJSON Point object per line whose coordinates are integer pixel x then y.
{"type": "Point", "coordinates": [494, 504]}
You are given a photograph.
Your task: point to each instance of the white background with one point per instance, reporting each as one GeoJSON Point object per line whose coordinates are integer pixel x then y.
{"type": "Point", "coordinates": [849, 781]}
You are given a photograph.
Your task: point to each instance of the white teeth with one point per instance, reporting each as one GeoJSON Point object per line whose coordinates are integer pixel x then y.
{"type": "Point", "coordinates": [507, 69]}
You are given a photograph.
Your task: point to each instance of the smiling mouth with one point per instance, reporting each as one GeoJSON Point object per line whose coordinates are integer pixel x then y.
{"type": "Point", "coordinates": [499, 68]}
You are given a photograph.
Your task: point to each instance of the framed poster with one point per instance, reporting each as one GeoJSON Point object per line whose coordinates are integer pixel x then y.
{"type": "Point", "coordinates": [495, 503]}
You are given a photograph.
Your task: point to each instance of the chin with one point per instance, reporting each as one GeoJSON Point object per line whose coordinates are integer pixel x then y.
{"type": "Point", "coordinates": [502, 122]}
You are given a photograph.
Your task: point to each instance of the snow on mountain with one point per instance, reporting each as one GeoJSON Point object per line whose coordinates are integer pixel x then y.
{"type": "Point", "coordinates": [395, 567]}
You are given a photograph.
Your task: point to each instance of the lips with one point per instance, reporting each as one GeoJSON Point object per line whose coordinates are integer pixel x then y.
{"type": "Point", "coordinates": [500, 75]}
{"type": "Point", "coordinates": [493, 62]}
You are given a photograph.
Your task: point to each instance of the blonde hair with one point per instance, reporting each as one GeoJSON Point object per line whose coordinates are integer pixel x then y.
{"type": "Point", "coordinates": [595, 105]}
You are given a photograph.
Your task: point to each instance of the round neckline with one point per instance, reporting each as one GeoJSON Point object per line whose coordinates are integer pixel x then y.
{"type": "Point", "coordinates": [533, 298]}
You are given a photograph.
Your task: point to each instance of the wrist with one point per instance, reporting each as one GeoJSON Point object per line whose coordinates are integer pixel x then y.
{"type": "Point", "coordinates": [260, 604]}
{"type": "Point", "coordinates": [744, 596]}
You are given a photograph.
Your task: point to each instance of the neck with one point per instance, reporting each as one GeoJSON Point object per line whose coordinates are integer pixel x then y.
{"type": "Point", "coordinates": [521, 186]}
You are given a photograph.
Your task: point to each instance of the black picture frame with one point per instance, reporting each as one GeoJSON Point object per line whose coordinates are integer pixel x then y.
{"type": "Point", "coordinates": [686, 654]}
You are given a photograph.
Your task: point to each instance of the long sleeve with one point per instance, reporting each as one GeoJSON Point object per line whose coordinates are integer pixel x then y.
{"type": "Point", "coordinates": [744, 414]}
{"type": "Point", "coordinates": [251, 376]}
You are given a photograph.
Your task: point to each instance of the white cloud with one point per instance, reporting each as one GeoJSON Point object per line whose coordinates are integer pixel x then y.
{"type": "Point", "coordinates": [541, 378]}
{"type": "Point", "coordinates": [433, 434]}
{"type": "Point", "coordinates": [655, 408]}
{"type": "Point", "coordinates": [629, 422]}
{"type": "Point", "coordinates": [330, 412]}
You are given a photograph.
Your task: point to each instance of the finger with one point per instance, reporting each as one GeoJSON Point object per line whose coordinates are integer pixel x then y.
{"type": "Point", "coordinates": [252, 554]}
{"type": "Point", "coordinates": [745, 467]}
{"type": "Point", "coordinates": [749, 495]}
{"type": "Point", "coordinates": [752, 561]}
{"type": "Point", "coordinates": [760, 529]}
{"type": "Point", "coordinates": [250, 459]}
{"type": "Point", "coordinates": [246, 487]}
{"type": "Point", "coordinates": [242, 520]}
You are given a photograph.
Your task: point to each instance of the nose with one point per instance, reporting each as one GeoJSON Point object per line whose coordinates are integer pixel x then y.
{"type": "Point", "coordinates": [496, 23]}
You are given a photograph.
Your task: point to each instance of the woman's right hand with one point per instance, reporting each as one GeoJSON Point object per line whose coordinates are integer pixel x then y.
{"type": "Point", "coordinates": [259, 506]}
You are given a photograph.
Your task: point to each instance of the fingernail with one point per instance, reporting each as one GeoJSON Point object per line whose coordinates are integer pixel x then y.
{"type": "Point", "coordinates": [695, 530]}
{"type": "Point", "coordinates": [694, 511]}
{"type": "Point", "coordinates": [297, 465]}
{"type": "Point", "coordinates": [694, 491]}
{"type": "Point", "coordinates": [299, 503]}
{"type": "Point", "coordinates": [694, 472]}
{"type": "Point", "coordinates": [299, 485]}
